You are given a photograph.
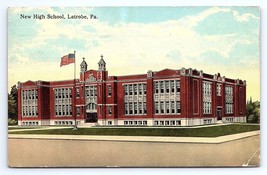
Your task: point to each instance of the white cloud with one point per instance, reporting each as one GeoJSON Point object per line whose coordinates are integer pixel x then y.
{"type": "Point", "coordinates": [131, 48]}
{"type": "Point", "coordinates": [191, 21]}
{"type": "Point", "coordinates": [245, 17]}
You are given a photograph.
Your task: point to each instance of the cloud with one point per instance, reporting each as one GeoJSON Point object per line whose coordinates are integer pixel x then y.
{"type": "Point", "coordinates": [245, 17]}
{"type": "Point", "coordinates": [191, 21]}
{"type": "Point", "coordinates": [131, 48]}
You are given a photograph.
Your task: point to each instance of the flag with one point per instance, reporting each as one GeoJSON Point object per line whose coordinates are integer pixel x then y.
{"type": "Point", "coordinates": [67, 59]}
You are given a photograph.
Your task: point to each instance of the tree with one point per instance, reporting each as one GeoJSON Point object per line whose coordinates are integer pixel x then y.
{"type": "Point", "coordinates": [14, 93]}
{"type": "Point", "coordinates": [13, 105]}
{"type": "Point", "coordinates": [253, 112]}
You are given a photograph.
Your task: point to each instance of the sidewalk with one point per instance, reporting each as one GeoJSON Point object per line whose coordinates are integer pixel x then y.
{"type": "Point", "coordinates": [123, 151]}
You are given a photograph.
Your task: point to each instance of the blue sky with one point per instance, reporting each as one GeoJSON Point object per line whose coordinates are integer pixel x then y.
{"type": "Point", "coordinates": [212, 39]}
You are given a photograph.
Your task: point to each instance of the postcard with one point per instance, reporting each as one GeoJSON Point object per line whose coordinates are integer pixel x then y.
{"type": "Point", "coordinates": [134, 86]}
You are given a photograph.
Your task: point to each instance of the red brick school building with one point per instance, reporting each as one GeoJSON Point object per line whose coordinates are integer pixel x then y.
{"type": "Point", "coordinates": [180, 97]}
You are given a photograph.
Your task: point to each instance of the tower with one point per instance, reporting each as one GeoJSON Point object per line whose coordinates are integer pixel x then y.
{"type": "Point", "coordinates": [83, 66]}
{"type": "Point", "coordinates": [101, 64]}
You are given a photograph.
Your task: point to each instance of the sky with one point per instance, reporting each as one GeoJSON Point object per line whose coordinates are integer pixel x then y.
{"type": "Point", "coordinates": [134, 40]}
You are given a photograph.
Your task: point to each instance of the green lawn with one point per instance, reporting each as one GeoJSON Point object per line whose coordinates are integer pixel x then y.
{"type": "Point", "coordinates": [15, 128]}
{"type": "Point", "coordinates": [212, 131]}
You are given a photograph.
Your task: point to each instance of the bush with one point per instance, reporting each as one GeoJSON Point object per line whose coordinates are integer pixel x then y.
{"type": "Point", "coordinates": [253, 112]}
{"type": "Point", "coordinates": [12, 121]}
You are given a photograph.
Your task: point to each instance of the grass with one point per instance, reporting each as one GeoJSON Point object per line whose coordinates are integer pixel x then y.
{"type": "Point", "coordinates": [212, 131]}
{"type": "Point", "coordinates": [17, 128]}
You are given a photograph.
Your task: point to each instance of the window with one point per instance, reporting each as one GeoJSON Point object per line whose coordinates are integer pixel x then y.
{"type": "Point", "coordinates": [178, 122]}
{"type": "Point", "coordinates": [62, 106]}
{"type": "Point", "coordinates": [161, 87]}
{"type": "Point", "coordinates": [109, 90]}
{"type": "Point", "coordinates": [167, 123]}
{"type": "Point", "coordinates": [131, 108]}
{"type": "Point", "coordinates": [166, 101]}
{"type": "Point", "coordinates": [178, 86]}
{"type": "Point", "coordinates": [144, 107]}
{"type": "Point", "coordinates": [140, 108]}
{"type": "Point", "coordinates": [172, 86]}
{"type": "Point", "coordinates": [140, 89]}
{"type": "Point", "coordinates": [130, 89]}
{"type": "Point", "coordinates": [109, 110]}
{"type": "Point", "coordinates": [109, 122]}
{"type": "Point", "coordinates": [167, 107]}
{"type": "Point", "coordinates": [78, 110]}
{"type": "Point", "coordinates": [218, 89]}
{"type": "Point", "coordinates": [126, 108]}
{"type": "Point", "coordinates": [29, 104]}
{"type": "Point", "coordinates": [134, 103]}
{"type": "Point", "coordinates": [144, 87]}
{"type": "Point", "coordinates": [162, 107]}
{"type": "Point", "coordinates": [167, 86]}
{"type": "Point", "coordinates": [172, 107]}
{"type": "Point", "coordinates": [229, 100]}
{"type": "Point", "coordinates": [126, 90]}
{"type": "Point", "coordinates": [91, 91]}
{"type": "Point", "coordinates": [178, 106]}
{"type": "Point", "coordinates": [156, 87]}
{"type": "Point", "coordinates": [156, 107]}
{"type": "Point", "coordinates": [77, 92]}
{"type": "Point", "coordinates": [207, 102]}
{"type": "Point", "coordinates": [59, 93]}
{"type": "Point", "coordinates": [135, 89]}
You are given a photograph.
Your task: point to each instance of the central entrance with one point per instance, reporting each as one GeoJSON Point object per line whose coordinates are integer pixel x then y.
{"type": "Point", "coordinates": [91, 117]}
{"type": "Point", "coordinates": [219, 114]}
{"type": "Point", "coordinates": [91, 113]}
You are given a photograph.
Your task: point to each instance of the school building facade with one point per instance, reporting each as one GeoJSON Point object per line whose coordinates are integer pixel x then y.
{"type": "Point", "coordinates": [181, 97]}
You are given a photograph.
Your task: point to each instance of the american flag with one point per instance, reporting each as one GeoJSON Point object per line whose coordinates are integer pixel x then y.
{"type": "Point", "coordinates": [67, 59]}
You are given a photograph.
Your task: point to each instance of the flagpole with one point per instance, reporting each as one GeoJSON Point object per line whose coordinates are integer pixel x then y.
{"type": "Point", "coordinates": [74, 111]}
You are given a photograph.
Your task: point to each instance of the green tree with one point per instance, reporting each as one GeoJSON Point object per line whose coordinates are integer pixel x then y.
{"type": "Point", "coordinates": [253, 112]}
{"type": "Point", "coordinates": [14, 93]}
{"type": "Point", "coordinates": [13, 105]}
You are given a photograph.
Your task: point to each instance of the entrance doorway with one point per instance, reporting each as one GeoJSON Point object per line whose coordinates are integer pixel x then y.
{"type": "Point", "coordinates": [91, 117]}
{"type": "Point", "coordinates": [219, 114]}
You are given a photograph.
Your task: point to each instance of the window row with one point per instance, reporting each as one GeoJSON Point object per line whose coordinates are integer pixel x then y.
{"type": "Point", "coordinates": [29, 111]}
{"type": "Point", "coordinates": [90, 91]}
{"type": "Point", "coordinates": [135, 108]}
{"type": "Point", "coordinates": [29, 94]}
{"type": "Point", "coordinates": [30, 123]}
{"type": "Point", "coordinates": [167, 123]}
{"type": "Point", "coordinates": [207, 88]}
{"type": "Point", "coordinates": [135, 89]}
{"type": "Point", "coordinates": [207, 121]}
{"type": "Point", "coordinates": [63, 122]}
{"type": "Point", "coordinates": [62, 110]}
{"type": "Point", "coordinates": [167, 107]}
{"type": "Point", "coordinates": [230, 119]}
{"type": "Point", "coordinates": [169, 86]}
{"type": "Point", "coordinates": [135, 122]}
{"type": "Point", "coordinates": [62, 93]}
{"type": "Point", "coordinates": [228, 90]}
{"type": "Point", "coordinates": [91, 106]}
